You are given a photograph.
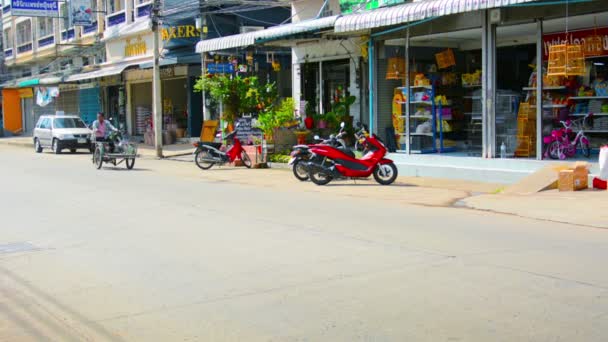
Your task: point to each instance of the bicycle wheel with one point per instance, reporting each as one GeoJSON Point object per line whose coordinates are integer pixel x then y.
{"type": "Point", "coordinates": [554, 150]}
{"type": "Point", "coordinates": [585, 149]}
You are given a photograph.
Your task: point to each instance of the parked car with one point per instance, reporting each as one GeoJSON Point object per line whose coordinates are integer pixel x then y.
{"type": "Point", "coordinates": [62, 132]}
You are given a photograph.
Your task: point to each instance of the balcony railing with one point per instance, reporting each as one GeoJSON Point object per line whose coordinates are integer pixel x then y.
{"type": "Point", "coordinates": [8, 53]}
{"type": "Point", "coordinates": [90, 29]}
{"type": "Point", "coordinates": [46, 41]}
{"type": "Point", "coordinates": [143, 10]}
{"type": "Point", "coordinates": [68, 34]}
{"type": "Point", "coordinates": [24, 47]}
{"type": "Point", "coordinates": [116, 18]}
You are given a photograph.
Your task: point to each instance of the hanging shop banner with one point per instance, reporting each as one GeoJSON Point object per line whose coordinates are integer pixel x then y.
{"type": "Point", "coordinates": [81, 13]}
{"type": "Point", "coordinates": [594, 41]}
{"type": "Point", "coordinates": [35, 8]}
{"type": "Point", "coordinates": [25, 92]}
{"type": "Point", "coordinates": [350, 6]}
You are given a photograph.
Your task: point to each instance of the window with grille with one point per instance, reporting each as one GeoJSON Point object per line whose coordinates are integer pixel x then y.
{"type": "Point", "coordinates": [24, 32]}
{"type": "Point", "coordinates": [115, 6]}
{"type": "Point", "coordinates": [7, 39]}
{"type": "Point", "coordinates": [45, 27]}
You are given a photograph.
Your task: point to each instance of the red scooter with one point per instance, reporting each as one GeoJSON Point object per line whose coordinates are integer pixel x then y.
{"type": "Point", "coordinates": [330, 163]}
{"type": "Point", "coordinates": [208, 154]}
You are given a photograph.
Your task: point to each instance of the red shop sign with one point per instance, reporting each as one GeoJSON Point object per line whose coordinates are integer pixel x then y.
{"type": "Point", "coordinates": [595, 41]}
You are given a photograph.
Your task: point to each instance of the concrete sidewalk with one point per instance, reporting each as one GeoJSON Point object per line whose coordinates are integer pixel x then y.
{"type": "Point", "coordinates": [144, 151]}
{"type": "Point", "coordinates": [589, 207]}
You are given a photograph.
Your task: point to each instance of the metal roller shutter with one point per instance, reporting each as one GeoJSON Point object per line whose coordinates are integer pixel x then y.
{"type": "Point", "coordinates": [46, 110]}
{"type": "Point", "coordinates": [68, 102]}
{"type": "Point", "coordinates": [89, 104]}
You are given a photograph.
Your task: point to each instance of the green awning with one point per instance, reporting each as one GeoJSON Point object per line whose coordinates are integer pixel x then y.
{"type": "Point", "coordinates": [28, 83]}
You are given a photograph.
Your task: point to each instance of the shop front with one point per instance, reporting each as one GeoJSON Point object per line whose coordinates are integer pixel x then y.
{"type": "Point", "coordinates": [324, 72]}
{"type": "Point", "coordinates": [465, 83]}
{"type": "Point", "coordinates": [175, 94]}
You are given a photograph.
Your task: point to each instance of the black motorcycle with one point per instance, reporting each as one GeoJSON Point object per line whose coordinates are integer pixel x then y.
{"type": "Point", "coordinates": [300, 155]}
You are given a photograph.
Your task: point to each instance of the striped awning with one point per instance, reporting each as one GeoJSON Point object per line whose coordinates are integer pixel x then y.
{"type": "Point", "coordinates": [104, 71]}
{"type": "Point", "coordinates": [415, 11]}
{"type": "Point", "coordinates": [262, 36]}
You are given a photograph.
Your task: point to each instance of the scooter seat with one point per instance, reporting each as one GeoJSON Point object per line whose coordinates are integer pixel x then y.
{"type": "Point", "coordinates": [211, 144]}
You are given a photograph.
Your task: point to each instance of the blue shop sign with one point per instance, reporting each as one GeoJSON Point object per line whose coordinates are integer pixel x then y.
{"type": "Point", "coordinates": [220, 68]}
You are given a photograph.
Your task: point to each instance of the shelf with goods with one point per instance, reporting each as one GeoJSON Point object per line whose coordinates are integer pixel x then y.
{"type": "Point", "coordinates": [597, 106]}
{"type": "Point", "coordinates": [426, 122]}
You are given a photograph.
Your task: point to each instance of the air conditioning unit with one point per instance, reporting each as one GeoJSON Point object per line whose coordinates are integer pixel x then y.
{"type": "Point", "coordinates": [245, 29]}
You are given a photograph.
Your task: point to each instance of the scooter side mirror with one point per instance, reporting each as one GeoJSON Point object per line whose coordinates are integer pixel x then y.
{"type": "Point", "coordinates": [342, 124]}
{"type": "Point", "coordinates": [317, 137]}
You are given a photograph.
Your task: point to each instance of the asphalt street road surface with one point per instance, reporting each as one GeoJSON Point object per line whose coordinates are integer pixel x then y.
{"type": "Point", "coordinates": [167, 252]}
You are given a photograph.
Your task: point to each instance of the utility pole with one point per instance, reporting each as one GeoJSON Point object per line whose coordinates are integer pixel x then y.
{"type": "Point", "coordinates": [203, 31]}
{"type": "Point", "coordinates": [156, 94]}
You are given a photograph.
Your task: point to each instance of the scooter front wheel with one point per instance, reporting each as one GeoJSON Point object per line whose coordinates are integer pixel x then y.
{"type": "Point", "coordinates": [385, 174]}
{"type": "Point", "coordinates": [200, 159]}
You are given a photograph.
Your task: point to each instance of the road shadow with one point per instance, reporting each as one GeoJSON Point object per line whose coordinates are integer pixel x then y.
{"type": "Point", "coordinates": [124, 168]}
{"type": "Point", "coordinates": [369, 184]}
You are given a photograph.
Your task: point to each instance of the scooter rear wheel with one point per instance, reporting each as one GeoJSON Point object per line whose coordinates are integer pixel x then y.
{"type": "Point", "coordinates": [200, 162]}
{"type": "Point", "coordinates": [299, 170]}
{"type": "Point", "coordinates": [319, 177]}
{"type": "Point", "coordinates": [246, 160]}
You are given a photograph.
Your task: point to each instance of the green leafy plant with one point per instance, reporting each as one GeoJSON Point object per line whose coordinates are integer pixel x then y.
{"type": "Point", "coordinates": [272, 117]}
{"type": "Point", "coordinates": [279, 158]}
{"type": "Point", "coordinates": [238, 94]}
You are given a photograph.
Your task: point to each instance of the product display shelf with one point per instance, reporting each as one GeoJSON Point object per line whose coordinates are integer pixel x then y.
{"type": "Point", "coordinates": [436, 119]}
{"type": "Point", "coordinates": [589, 98]}
{"type": "Point", "coordinates": [594, 114]}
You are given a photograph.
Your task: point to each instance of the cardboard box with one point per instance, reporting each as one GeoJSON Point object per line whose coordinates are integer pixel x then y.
{"type": "Point", "coordinates": [573, 179]}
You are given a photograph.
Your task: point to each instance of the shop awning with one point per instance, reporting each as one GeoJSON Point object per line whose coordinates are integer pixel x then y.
{"type": "Point", "coordinates": [271, 33]}
{"type": "Point", "coordinates": [415, 11]}
{"type": "Point", "coordinates": [29, 83]}
{"type": "Point", "coordinates": [104, 71]}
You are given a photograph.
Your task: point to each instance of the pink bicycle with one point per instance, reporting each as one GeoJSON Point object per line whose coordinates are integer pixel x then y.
{"type": "Point", "coordinates": [563, 142]}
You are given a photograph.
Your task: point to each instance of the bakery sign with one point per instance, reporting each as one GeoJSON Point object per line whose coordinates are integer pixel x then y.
{"type": "Point", "coordinates": [594, 41]}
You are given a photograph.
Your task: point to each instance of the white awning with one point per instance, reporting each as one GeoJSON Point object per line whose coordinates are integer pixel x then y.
{"type": "Point", "coordinates": [104, 71]}
{"type": "Point", "coordinates": [415, 11]}
{"type": "Point", "coordinates": [271, 33]}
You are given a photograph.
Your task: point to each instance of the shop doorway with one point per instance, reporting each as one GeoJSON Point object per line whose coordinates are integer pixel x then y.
{"type": "Point", "coordinates": [141, 107]}
{"type": "Point", "coordinates": [336, 79]}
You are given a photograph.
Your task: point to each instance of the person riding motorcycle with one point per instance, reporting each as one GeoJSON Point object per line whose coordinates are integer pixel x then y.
{"type": "Point", "coordinates": [102, 129]}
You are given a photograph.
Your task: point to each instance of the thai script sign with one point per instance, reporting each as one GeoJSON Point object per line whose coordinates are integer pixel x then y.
{"type": "Point", "coordinates": [35, 8]}
{"type": "Point", "coordinates": [135, 47]}
{"type": "Point", "coordinates": [594, 41]}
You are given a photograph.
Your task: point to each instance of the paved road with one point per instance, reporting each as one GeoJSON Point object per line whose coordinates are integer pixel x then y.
{"type": "Point", "coordinates": [168, 253]}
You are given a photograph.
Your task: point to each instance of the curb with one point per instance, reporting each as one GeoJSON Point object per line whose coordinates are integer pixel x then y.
{"type": "Point", "coordinates": [278, 165]}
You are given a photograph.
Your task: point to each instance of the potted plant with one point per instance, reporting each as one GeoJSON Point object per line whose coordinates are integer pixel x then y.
{"type": "Point", "coordinates": [275, 117]}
